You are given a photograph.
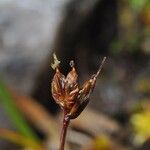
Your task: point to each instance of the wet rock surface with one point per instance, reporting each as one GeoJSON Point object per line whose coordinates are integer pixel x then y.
{"type": "Point", "coordinates": [27, 30]}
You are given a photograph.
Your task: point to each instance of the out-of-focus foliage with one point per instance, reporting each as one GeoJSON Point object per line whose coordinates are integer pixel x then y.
{"type": "Point", "coordinates": [143, 85]}
{"type": "Point", "coordinates": [133, 27]}
{"type": "Point", "coordinates": [18, 107]}
{"type": "Point", "coordinates": [137, 4]}
{"type": "Point", "coordinates": [26, 137]}
{"type": "Point", "coordinates": [15, 115]}
{"type": "Point", "coordinates": [19, 139]}
{"type": "Point", "coordinates": [140, 122]}
{"type": "Point", "coordinates": [101, 143]}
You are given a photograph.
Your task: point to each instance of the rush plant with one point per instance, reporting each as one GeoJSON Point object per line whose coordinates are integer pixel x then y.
{"type": "Point", "coordinates": [71, 97]}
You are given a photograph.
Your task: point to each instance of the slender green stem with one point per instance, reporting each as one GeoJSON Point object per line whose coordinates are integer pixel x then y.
{"type": "Point", "coordinates": [66, 122]}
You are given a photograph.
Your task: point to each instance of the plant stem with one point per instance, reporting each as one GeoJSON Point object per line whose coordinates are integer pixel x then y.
{"type": "Point", "coordinates": [66, 121]}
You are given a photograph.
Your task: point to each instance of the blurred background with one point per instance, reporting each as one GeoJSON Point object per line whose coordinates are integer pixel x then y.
{"type": "Point", "coordinates": [118, 116]}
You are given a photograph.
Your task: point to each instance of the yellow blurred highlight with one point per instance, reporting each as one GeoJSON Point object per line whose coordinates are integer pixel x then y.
{"type": "Point", "coordinates": [19, 139]}
{"type": "Point", "coordinates": [141, 126]}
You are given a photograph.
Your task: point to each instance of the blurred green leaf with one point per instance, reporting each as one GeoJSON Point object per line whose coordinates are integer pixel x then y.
{"type": "Point", "coordinates": [15, 116]}
{"type": "Point", "coordinates": [138, 4]}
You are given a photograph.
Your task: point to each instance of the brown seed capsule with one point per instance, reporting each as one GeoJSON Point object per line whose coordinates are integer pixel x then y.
{"type": "Point", "coordinates": [66, 92]}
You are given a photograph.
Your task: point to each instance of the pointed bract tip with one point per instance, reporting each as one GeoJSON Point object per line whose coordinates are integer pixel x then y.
{"type": "Point", "coordinates": [56, 62]}
{"type": "Point", "coordinates": [101, 66]}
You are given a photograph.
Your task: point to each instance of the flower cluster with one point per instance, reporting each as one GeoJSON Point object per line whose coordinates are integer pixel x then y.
{"type": "Point", "coordinates": [66, 91]}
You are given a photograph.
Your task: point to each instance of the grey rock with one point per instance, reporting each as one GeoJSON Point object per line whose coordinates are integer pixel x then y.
{"type": "Point", "coordinates": [27, 30]}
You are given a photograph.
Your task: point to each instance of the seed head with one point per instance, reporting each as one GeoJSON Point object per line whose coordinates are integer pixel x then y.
{"type": "Point", "coordinates": [66, 91]}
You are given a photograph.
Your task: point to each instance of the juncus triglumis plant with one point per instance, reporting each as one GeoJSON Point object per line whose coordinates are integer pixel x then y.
{"type": "Point", "coordinates": [71, 97]}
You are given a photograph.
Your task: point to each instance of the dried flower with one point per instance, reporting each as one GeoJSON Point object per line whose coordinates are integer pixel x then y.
{"type": "Point", "coordinates": [66, 91]}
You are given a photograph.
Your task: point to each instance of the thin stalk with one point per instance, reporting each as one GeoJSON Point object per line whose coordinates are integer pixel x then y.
{"type": "Point", "coordinates": [66, 122]}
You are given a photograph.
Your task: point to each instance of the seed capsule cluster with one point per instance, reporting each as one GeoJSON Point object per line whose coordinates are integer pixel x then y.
{"type": "Point", "coordinates": [66, 91]}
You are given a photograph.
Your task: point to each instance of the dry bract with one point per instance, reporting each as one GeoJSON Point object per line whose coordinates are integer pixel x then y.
{"type": "Point", "coordinates": [66, 91]}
